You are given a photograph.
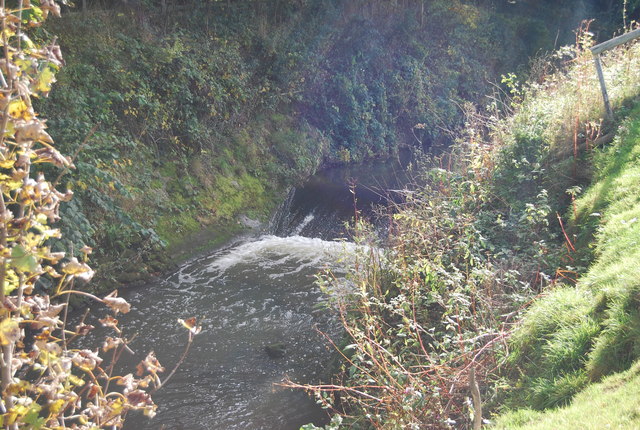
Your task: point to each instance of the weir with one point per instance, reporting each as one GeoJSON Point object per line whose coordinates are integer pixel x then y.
{"type": "Point", "coordinates": [257, 292]}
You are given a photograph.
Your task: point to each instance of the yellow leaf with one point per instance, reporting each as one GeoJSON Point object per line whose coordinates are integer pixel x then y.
{"type": "Point", "coordinates": [75, 380]}
{"type": "Point", "coordinates": [9, 33]}
{"type": "Point", "coordinates": [7, 164]}
{"type": "Point", "coordinates": [11, 417]}
{"type": "Point", "coordinates": [11, 282]}
{"type": "Point", "coordinates": [9, 331]}
{"type": "Point", "coordinates": [19, 109]}
{"type": "Point", "coordinates": [74, 267]}
{"type": "Point", "coordinates": [11, 185]}
{"type": "Point", "coordinates": [45, 79]}
{"type": "Point", "coordinates": [55, 407]}
{"type": "Point", "coordinates": [24, 64]}
{"type": "Point", "coordinates": [10, 130]}
{"type": "Point", "coordinates": [117, 406]}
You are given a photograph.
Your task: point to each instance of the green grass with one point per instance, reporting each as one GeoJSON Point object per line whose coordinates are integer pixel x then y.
{"type": "Point", "coordinates": [575, 335]}
{"type": "Point", "coordinates": [612, 404]}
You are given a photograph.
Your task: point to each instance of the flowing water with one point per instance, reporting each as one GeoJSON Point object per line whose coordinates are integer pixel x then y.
{"type": "Point", "coordinates": [255, 292]}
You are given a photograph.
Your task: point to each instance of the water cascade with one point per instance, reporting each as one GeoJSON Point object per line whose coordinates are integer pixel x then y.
{"type": "Point", "coordinates": [256, 292]}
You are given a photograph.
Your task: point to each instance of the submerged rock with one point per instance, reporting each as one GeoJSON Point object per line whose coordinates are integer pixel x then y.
{"type": "Point", "coordinates": [276, 350]}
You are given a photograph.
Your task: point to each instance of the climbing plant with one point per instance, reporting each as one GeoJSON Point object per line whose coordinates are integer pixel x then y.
{"type": "Point", "coordinates": [46, 380]}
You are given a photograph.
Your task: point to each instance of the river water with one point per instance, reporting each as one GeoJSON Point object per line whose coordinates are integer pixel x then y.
{"type": "Point", "coordinates": [257, 291]}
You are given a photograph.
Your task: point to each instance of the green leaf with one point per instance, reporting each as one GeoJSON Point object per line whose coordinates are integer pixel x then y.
{"type": "Point", "coordinates": [22, 260]}
{"type": "Point", "coordinates": [33, 419]}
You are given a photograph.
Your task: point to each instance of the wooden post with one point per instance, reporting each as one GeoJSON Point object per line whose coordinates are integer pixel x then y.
{"type": "Point", "coordinates": [477, 401]}
{"type": "Point", "coordinates": [603, 86]}
{"type": "Point", "coordinates": [605, 46]}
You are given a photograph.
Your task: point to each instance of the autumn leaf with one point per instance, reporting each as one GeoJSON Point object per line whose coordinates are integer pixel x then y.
{"type": "Point", "coordinates": [22, 260]}
{"type": "Point", "coordinates": [19, 109]}
{"type": "Point", "coordinates": [109, 321]}
{"type": "Point", "coordinates": [150, 364]}
{"type": "Point", "coordinates": [32, 131]}
{"type": "Point", "coordinates": [78, 269]}
{"type": "Point", "coordinates": [9, 331]}
{"type": "Point", "coordinates": [7, 164]}
{"type": "Point", "coordinates": [50, 6]}
{"type": "Point", "coordinates": [117, 304]}
{"type": "Point", "coordinates": [190, 324]}
{"type": "Point", "coordinates": [86, 359]}
{"type": "Point", "coordinates": [44, 81]}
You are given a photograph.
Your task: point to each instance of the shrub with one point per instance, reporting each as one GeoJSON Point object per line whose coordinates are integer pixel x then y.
{"type": "Point", "coordinates": [46, 379]}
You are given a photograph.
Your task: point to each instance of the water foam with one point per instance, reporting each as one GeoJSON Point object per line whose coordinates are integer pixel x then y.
{"type": "Point", "coordinates": [270, 250]}
{"type": "Point", "coordinates": [305, 222]}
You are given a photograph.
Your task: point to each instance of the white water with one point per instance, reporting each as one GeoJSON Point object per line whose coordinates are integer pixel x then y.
{"type": "Point", "coordinates": [249, 295]}
{"type": "Point", "coordinates": [269, 252]}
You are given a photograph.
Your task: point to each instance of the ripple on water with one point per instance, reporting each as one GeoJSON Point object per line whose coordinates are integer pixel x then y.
{"type": "Point", "coordinates": [248, 296]}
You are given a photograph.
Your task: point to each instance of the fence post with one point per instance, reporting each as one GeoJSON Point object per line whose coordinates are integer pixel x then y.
{"type": "Point", "coordinates": [605, 46]}
{"type": "Point", "coordinates": [603, 86]}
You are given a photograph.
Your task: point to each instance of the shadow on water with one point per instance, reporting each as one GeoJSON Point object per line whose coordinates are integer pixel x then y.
{"type": "Point", "coordinates": [321, 207]}
{"type": "Point", "coordinates": [257, 292]}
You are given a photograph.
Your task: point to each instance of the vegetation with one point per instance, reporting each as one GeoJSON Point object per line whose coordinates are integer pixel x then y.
{"type": "Point", "coordinates": [226, 104]}
{"type": "Point", "coordinates": [615, 400]}
{"type": "Point", "coordinates": [48, 380]}
{"type": "Point", "coordinates": [485, 286]}
{"type": "Point", "coordinates": [499, 272]}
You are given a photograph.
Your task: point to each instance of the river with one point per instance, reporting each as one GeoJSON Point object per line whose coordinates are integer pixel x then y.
{"type": "Point", "coordinates": [256, 291]}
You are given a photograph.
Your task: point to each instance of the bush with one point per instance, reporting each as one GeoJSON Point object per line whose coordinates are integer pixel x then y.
{"type": "Point", "coordinates": [47, 380]}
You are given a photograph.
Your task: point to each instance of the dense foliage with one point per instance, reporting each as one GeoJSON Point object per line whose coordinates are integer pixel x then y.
{"type": "Point", "coordinates": [225, 104]}
{"type": "Point", "coordinates": [186, 114]}
{"type": "Point", "coordinates": [47, 378]}
{"type": "Point", "coordinates": [489, 267]}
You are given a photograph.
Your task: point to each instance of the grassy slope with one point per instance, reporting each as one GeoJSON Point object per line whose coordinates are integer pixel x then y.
{"type": "Point", "coordinates": [476, 249]}
{"type": "Point", "coordinates": [578, 334]}
{"type": "Point", "coordinates": [613, 403]}
{"type": "Point", "coordinates": [575, 335]}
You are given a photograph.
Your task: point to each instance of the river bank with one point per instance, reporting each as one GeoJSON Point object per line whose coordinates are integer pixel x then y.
{"type": "Point", "coordinates": [511, 278]}
{"type": "Point", "coordinates": [193, 118]}
{"type": "Point", "coordinates": [255, 292]}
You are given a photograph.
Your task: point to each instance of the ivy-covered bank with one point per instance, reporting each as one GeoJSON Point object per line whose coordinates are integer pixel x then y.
{"type": "Point", "coordinates": [183, 119]}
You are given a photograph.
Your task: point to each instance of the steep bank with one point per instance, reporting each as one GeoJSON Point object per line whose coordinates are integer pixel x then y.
{"type": "Point", "coordinates": [511, 277]}
{"type": "Point", "coordinates": [578, 334]}
{"type": "Point", "coordinates": [212, 110]}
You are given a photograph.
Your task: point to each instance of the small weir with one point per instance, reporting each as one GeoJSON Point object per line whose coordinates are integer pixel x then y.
{"type": "Point", "coordinates": [256, 292]}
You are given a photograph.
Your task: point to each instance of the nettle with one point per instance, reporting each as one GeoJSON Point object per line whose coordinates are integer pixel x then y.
{"type": "Point", "coordinates": [46, 380]}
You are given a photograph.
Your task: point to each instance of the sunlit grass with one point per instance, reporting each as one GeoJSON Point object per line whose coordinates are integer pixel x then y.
{"type": "Point", "coordinates": [611, 404]}
{"type": "Point", "coordinates": [575, 335]}
{"type": "Point", "coordinates": [578, 334]}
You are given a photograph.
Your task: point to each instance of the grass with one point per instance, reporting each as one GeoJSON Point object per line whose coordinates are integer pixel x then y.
{"type": "Point", "coordinates": [611, 404]}
{"type": "Point", "coordinates": [577, 334]}
{"type": "Point", "coordinates": [480, 241]}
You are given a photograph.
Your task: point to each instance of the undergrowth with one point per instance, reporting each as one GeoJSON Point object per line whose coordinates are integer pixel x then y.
{"type": "Point", "coordinates": [202, 112]}
{"type": "Point", "coordinates": [480, 284]}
